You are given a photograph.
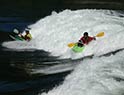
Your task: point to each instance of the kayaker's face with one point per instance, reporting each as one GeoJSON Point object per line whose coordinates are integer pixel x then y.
{"type": "Point", "coordinates": [85, 36]}
{"type": "Point", "coordinates": [27, 32]}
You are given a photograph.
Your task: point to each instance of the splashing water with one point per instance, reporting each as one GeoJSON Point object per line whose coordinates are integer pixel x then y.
{"type": "Point", "coordinates": [54, 32]}
{"type": "Point", "coordinates": [97, 76]}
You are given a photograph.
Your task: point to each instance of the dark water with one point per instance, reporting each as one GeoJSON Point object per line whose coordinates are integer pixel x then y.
{"type": "Point", "coordinates": [16, 66]}
{"type": "Point", "coordinates": [15, 72]}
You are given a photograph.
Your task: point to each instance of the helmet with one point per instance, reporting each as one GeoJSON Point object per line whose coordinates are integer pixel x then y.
{"type": "Point", "coordinates": [86, 33]}
{"type": "Point", "coordinates": [26, 30]}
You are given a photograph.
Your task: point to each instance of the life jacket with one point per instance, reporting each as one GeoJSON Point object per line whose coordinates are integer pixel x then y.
{"type": "Point", "coordinates": [28, 37]}
{"type": "Point", "coordinates": [87, 40]}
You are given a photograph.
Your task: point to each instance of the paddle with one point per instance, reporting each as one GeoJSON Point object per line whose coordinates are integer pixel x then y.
{"type": "Point", "coordinates": [100, 34]}
{"type": "Point", "coordinates": [16, 31]}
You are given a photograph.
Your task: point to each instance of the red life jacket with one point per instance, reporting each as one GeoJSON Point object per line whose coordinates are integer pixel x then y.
{"type": "Point", "coordinates": [87, 40]}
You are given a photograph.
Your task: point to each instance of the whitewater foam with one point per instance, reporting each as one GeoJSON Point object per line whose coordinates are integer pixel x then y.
{"type": "Point", "coordinates": [54, 32]}
{"type": "Point", "coordinates": [97, 76]}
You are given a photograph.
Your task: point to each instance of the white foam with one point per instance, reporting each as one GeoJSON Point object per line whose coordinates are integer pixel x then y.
{"type": "Point", "coordinates": [97, 76]}
{"type": "Point", "coordinates": [54, 32]}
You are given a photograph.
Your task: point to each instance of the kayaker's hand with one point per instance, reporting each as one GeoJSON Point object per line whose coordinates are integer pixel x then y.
{"type": "Point", "coordinates": [94, 38]}
{"type": "Point", "coordinates": [80, 41]}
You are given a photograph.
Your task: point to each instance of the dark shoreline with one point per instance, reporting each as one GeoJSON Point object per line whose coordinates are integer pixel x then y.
{"type": "Point", "coordinates": [4, 36]}
{"type": "Point", "coordinates": [35, 9]}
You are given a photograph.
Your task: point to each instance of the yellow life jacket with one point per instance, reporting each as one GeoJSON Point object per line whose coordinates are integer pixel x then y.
{"type": "Point", "coordinates": [29, 35]}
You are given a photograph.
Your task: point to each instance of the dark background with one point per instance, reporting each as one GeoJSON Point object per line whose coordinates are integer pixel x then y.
{"type": "Point", "coordinates": [32, 10]}
{"type": "Point", "coordinates": [40, 8]}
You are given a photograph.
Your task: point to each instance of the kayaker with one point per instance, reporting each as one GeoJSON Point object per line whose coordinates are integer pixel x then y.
{"type": "Point", "coordinates": [86, 39]}
{"type": "Point", "coordinates": [27, 36]}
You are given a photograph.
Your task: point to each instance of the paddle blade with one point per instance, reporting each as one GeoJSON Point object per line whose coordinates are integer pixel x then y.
{"type": "Point", "coordinates": [71, 44]}
{"type": "Point", "coordinates": [100, 34]}
{"type": "Point", "coordinates": [16, 31]}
